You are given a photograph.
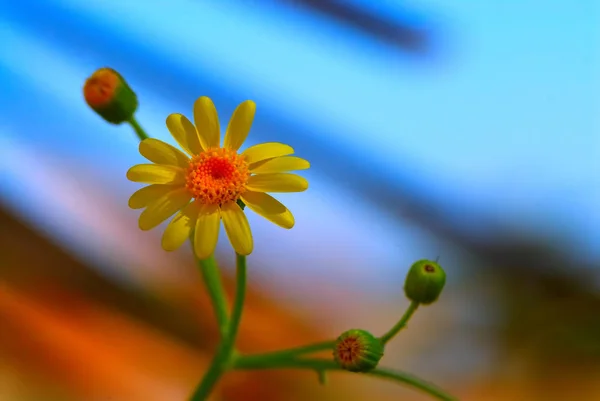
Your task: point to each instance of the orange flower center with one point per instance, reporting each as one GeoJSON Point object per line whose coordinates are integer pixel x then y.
{"type": "Point", "coordinates": [217, 176]}
{"type": "Point", "coordinates": [349, 349]}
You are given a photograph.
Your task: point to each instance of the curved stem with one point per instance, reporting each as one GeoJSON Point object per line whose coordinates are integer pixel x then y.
{"type": "Point", "coordinates": [412, 381]}
{"type": "Point", "coordinates": [321, 365]}
{"type": "Point", "coordinates": [225, 354]}
{"type": "Point", "coordinates": [292, 352]}
{"type": "Point", "coordinates": [137, 128]}
{"type": "Point", "coordinates": [401, 323]}
{"type": "Point", "coordinates": [212, 280]}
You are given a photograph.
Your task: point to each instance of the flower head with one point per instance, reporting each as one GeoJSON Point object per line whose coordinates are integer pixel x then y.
{"type": "Point", "coordinates": [204, 184]}
{"type": "Point", "coordinates": [357, 350]}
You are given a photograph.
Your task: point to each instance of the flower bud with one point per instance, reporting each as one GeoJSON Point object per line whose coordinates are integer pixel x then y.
{"type": "Point", "coordinates": [424, 282]}
{"type": "Point", "coordinates": [357, 351]}
{"type": "Point", "coordinates": [107, 93]}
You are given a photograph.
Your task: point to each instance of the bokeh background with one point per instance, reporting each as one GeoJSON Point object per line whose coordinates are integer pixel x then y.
{"type": "Point", "coordinates": [463, 130]}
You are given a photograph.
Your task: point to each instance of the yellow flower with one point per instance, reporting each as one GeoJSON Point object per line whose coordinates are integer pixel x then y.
{"type": "Point", "coordinates": [205, 186]}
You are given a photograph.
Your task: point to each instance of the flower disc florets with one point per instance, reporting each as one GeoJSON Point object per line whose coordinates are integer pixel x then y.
{"type": "Point", "coordinates": [217, 176]}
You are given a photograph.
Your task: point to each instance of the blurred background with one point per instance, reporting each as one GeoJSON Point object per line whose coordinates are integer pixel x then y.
{"type": "Point", "coordinates": [463, 130]}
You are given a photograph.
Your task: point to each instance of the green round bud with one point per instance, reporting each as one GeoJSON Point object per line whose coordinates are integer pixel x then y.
{"type": "Point", "coordinates": [424, 282]}
{"type": "Point", "coordinates": [357, 350]}
{"type": "Point", "coordinates": [107, 93]}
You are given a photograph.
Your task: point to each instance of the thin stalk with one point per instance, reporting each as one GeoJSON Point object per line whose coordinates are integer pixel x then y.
{"type": "Point", "coordinates": [224, 357]}
{"type": "Point", "coordinates": [138, 129]}
{"type": "Point", "coordinates": [401, 323]}
{"type": "Point", "coordinates": [292, 352]}
{"type": "Point", "coordinates": [212, 280]}
{"type": "Point", "coordinates": [321, 365]}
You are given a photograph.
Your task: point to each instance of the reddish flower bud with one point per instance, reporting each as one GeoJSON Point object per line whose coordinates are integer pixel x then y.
{"type": "Point", "coordinates": [107, 93]}
{"type": "Point", "coordinates": [357, 350]}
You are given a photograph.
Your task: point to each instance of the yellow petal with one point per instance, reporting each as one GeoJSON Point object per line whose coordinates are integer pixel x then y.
{"type": "Point", "coordinates": [163, 208]}
{"type": "Point", "coordinates": [184, 133]}
{"type": "Point", "coordinates": [237, 228]}
{"type": "Point", "coordinates": [144, 196]}
{"type": "Point", "coordinates": [277, 182]}
{"type": "Point", "coordinates": [267, 150]}
{"type": "Point", "coordinates": [239, 125]}
{"type": "Point", "coordinates": [207, 122]}
{"type": "Point", "coordinates": [160, 152]}
{"type": "Point", "coordinates": [269, 208]}
{"type": "Point", "coordinates": [279, 165]}
{"type": "Point", "coordinates": [156, 174]}
{"type": "Point", "coordinates": [207, 231]}
{"type": "Point", "coordinates": [178, 230]}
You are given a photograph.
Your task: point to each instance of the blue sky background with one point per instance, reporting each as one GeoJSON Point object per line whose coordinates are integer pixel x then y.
{"type": "Point", "coordinates": [497, 123]}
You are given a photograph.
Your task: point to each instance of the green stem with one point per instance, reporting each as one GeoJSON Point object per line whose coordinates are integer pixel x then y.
{"type": "Point", "coordinates": [291, 352]}
{"type": "Point", "coordinates": [413, 381]}
{"type": "Point", "coordinates": [212, 280]}
{"type": "Point", "coordinates": [401, 323]}
{"type": "Point", "coordinates": [224, 357]}
{"type": "Point", "coordinates": [238, 304]}
{"type": "Point", "coordinates": [321, 365]}
{"type": "Point", "coordinates": [138, 128]}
